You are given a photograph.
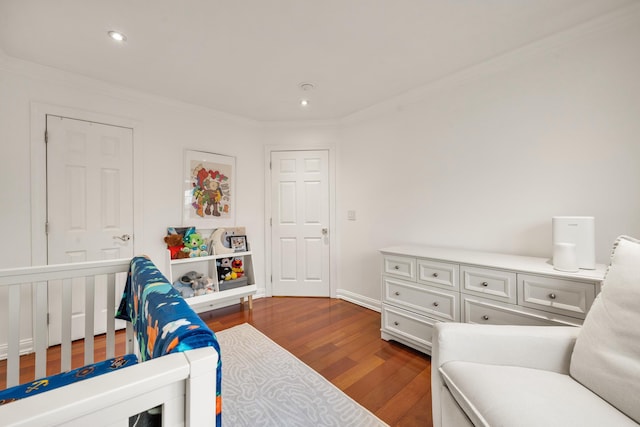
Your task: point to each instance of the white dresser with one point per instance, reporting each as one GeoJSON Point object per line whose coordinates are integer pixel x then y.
{"type": "Point", "coordinates": [424, 285]}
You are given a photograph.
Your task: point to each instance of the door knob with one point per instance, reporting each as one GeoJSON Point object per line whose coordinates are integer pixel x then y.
{"type": "Point", "coordinates": [124, 237]}
{"type": "Point", "coordinates": [325, 231]}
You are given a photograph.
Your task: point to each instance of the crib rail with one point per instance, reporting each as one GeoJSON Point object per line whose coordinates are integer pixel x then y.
{"type": "Point", "coordinates": [35, 284]}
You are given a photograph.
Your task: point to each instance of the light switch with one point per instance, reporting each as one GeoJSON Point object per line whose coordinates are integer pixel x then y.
{"type": "Point", "coordinates": [351, 215]}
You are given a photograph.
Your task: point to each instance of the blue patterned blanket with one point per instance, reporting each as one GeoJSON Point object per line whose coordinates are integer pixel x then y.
{"type": "Point", "coordinates": [162, 321]}
{"type": "Point", "coordinates": [54, 381]}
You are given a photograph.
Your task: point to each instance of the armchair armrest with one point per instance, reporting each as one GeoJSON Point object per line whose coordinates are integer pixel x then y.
{"type": "Point", "coordinates": [539, 347]}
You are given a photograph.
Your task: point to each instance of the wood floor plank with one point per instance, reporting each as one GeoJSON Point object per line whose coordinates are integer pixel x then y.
{"type": "Point", "coordinates": [339, 340]}
{"type": "Point", "coordinates": [402, 403]}
{"type": "Point", "coordinates": [342, 342]}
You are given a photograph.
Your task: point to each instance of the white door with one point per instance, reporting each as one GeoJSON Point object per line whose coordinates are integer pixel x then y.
{"type": "Point", "coordinates": [300, 221]}
{"type": "Point", "coordinates": [89, 208]}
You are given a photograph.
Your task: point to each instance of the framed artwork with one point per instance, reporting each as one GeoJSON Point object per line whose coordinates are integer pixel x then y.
{"type": "Point", "coordinates": [209, 190]}
{"type": "Point", "coordinates": [238, 243]}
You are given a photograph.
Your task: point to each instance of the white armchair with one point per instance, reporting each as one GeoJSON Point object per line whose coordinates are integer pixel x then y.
{"type": "Point", "coordinates": [496, 375]}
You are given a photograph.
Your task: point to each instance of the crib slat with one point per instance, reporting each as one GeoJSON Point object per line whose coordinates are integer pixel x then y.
{"type": "Point", "coordinates": [41, 329]}
{"type": "Point", "coordinates": [14, 283]}
{"type": "Point", "coordinates": [129, 342]}
{"type": "Point", "coordinates": [89, 318]}
{"type": "Point", "coordinates": [13, 352]}
{"type": "Point", "coordinates": [111, 321]}
{"type": "Point", "coordinates": [65, 345]}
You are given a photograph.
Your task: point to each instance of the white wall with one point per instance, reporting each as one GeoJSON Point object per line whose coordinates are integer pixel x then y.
{"type": "Point", "coordinates": [484, 159]}
{"type": "Point", "coordinates": [481, 160]}
{"type": "Point", "coordinates": [165, 128]}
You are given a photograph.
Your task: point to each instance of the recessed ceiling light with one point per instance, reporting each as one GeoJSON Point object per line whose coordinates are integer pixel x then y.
{"type": "Point", "coordinates": [117, 36]}
{"type": "Point", "coordinates": [304, 103]}
{"type": "Point", "coordinates": [306, 86]}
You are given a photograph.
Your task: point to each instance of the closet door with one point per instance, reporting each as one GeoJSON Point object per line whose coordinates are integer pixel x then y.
{"type": "Point", "coordinates": [89, 210]}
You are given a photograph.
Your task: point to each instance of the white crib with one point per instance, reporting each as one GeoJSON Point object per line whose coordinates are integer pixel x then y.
{"type": "Point", "coordinates": [183, 384]}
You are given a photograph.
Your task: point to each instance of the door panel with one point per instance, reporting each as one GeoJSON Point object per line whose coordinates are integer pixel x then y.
{"type": "Point", "coordinates": [89, 208]}
{"type": "Point", "coordinates": [300, 220]}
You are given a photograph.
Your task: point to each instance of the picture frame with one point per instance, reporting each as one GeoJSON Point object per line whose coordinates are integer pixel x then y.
{"type": "Point", "coordinates": [208, 199]}
{"type": "Point", "coordinates": [238, 243]}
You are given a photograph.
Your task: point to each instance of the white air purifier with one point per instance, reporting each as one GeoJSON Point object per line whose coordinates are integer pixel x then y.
{"type": "Point", "coordinates": [578, 231]}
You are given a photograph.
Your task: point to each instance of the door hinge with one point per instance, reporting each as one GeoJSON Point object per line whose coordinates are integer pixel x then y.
{"type": "Point", "coordinates": [271, 222]}
{"type": "Point", "coordinates": [269, 165]}
{"type": "Point", "coordinates": [46, 136]}
{"type": "Point", "coordinates": [47, 318]}
{"type": "Point", "coordinates": [271, 278]}
{"type": "Point", "coordinates": [46, 227]}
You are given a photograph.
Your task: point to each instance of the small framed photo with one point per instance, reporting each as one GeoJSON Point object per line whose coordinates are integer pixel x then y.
{"type": "Point", "coordinates": [238, 243]}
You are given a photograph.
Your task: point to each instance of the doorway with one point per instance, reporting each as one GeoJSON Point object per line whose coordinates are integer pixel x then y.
{"type": "Point", "coordinates": [300, 223]}
{"type": "Point", "coordinates": [91, 168]}
{"type": "Point", "coordinates": [89, 209]}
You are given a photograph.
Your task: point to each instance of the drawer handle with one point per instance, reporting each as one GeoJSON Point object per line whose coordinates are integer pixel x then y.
{"type": "Point", "coordinates": [485, 284]}
{"type": "Point", "coordinates": [552, 296]}
{"type": "Point", "coordinates": [397, 293]}
{"type": "Point", "coordinates": [397, 267]}
{"type": "Point", "coordinates": [435, 274]}
{"type": "Point", "coordinates": [435, 303]}
{"type": "Point", "coordinates": [396, 323]}
{"type": "Point", "coordinates": [485, 317]}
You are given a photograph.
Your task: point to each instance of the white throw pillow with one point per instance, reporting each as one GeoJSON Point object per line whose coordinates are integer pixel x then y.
{"type": "Point", "coordinates": [606, 357]}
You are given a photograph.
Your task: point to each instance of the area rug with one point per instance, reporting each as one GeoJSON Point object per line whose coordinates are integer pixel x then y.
{"type": "Point", "coordinates": [265, 385]}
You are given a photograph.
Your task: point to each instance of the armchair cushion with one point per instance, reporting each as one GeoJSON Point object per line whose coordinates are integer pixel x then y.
{"type": "Point", "coordinates": [494, 395]}
{"type": "Point", "coordinates": [537, 347]}
{"type": "Point", "coordinates": [606, 357]}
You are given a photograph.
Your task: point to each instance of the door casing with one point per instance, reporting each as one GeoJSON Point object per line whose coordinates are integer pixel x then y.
{"type": "Point", "coordinates": [332, 211]}
{"type": "Point", "coordinates": [38, 174]}
{"type": "Point", "coordinates": [90, 241]}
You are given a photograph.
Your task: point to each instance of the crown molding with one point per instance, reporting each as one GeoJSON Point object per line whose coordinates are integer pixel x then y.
{"type": "Point", "coordinates": [53, 75]}
{"type": "Point", "coordinates": [628, 15]}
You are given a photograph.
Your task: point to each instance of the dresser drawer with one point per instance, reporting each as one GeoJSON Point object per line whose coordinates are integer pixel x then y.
{"type": "Point", "coordinates": [488, 283]}
{"type": "Point", "coordinates": [478, 310]}
{"type": "Point", "coordinates": [419, 298]}
{"type": "Point", "coordinates": [556, 295]}
{"type": "Point", "coordinates": [402, 267]}
{"type": "Point", "coordinates": [440, 274]}
{"type": "Point", "coordinates": [408, 325]}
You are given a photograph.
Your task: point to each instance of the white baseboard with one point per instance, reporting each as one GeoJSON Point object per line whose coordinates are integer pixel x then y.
{"type": "Point", "coordinates": [26, 347]}
{"type": "Point", "coordinates": [361, 300]}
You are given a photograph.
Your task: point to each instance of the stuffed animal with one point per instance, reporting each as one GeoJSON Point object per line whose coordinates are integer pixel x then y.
{"type": "Point", "coordinates": [224, 269]}
{"type": "Point", "coordinates": [196, 245]}
{"type": "Point", "coordinates": [236, 267]}
{"type": "Point", "coordinates": [203, 285]}
{"type": "Point", "coordinates": [184, 284]}
{"type": "Point", "coordinates": [175, 245]}
{"type": "Point", "coordinates": [199, 286]}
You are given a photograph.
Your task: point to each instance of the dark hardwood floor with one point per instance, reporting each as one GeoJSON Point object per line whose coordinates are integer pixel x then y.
{"type": "Point", "coordinates": [338, 339]}
{"type": "Point", "coordinates": [342, 342]}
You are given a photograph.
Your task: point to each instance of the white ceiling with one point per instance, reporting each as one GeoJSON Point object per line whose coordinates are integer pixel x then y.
{"type": "Point", "coordinates": [247, 57]}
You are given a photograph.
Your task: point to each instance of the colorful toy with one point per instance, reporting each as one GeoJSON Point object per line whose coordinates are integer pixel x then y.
{"type": "Point", "coordinates": [224, 269]}
{"type": "Point", "coordinates": [236, 267]}
{"type": "Point", "coordinates": [175, 244]}
{"type": "Point", "coordinates": [196, 245]}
